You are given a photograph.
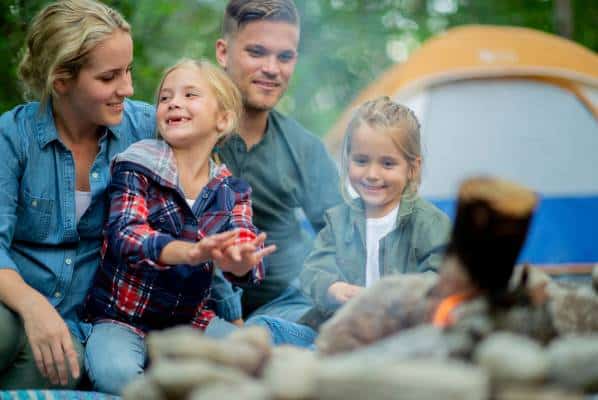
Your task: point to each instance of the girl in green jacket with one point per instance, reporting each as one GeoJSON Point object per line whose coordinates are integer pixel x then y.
{"type": "Point", "coordinates": [387, 229]}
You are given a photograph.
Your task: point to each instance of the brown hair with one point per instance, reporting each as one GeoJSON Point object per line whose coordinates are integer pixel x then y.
{"type": "Point", "coordinates": [396, 120]}
{"type": "Point", "coordinates": [226, 92]}
{"type": "Point", "coordinates": [241, 12]}
{"type": "Point", "coordinates": [59, 41]}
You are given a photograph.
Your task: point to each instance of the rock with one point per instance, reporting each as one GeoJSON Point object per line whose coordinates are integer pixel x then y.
{"type": "Point", "coordinates": [512, 392]}
{"type": "Point", "coordinates": [573, 310]}
{"type": "Point", "coordinates": [251, 390]}
{"type": "Point", "coordinates": [574, 362]}
{"type": "Point", "coordinates": [424, 341]}
{"type": "Point", "coordinates": [290, 374]}
{"type": "Point", "coordinates": [142, 388]}
{"type": "Point", "coordinates": [390, 305]}
{"type": "Point", "coordinates": [244, 350]}
{"type": "Point", "coordinates": [177, 378]}
{"type": "Point", "coordinates": [511, 358]}
{"type": "Point", "coordinates": [414, 379]}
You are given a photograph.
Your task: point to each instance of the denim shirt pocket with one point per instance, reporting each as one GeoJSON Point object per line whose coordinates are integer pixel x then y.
{"type": "Point", "coordinates": [34, 216]}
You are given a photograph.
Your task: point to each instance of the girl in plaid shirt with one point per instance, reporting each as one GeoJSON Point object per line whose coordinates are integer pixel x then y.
{"type": "Point", "coordinates": [175, 215]}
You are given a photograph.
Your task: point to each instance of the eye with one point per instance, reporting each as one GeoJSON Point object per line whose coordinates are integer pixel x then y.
{"type": "Point", "coordinates": [256, 51]}
{"type": "Point", "coordinates": [163, 98]}
{"type": "Point", "coordinates": [388, 164]}
{"type": "Point", "coordinates": [191, 94]}
{"type": "Point", "coordinates": [286, 56]}
{"type": "Point", "coordinates": [107, 77]}
{"type": "Point", "coordinates": [359, 160]}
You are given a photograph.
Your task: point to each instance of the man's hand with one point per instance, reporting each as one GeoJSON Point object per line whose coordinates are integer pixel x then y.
{"type": "Point", "coordinates": [238, 259]}
{"type": "Point", "coordinates": [50, 341]}
{"type": "Point", "coordinates": [342, 292]}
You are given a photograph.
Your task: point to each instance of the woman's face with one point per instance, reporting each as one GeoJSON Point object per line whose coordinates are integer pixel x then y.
{"type": "Point", "coordinates": [96, 95]}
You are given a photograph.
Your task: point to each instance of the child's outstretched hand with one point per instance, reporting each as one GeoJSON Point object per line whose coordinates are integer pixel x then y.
{"type": "Point", "coordinates": [238, 259]}
{"type": "Point", "coordinates": [209, 246]}
{"type": "Point", "coordinates": [343, 291]}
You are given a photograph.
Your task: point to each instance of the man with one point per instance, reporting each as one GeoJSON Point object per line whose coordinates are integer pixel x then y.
{"type": "Point", "coordinates": [287, 166]}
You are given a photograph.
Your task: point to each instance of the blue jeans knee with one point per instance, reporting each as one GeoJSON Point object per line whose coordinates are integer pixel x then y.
{"type": "Point", "coordinates": [114, 356]}
{"type": "Point", "coordinates": [285, 332]}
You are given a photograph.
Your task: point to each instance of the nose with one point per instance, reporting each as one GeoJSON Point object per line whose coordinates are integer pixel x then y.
{"type": "Point", "coordinates": [125, 86]}
{"type": "Point", "coordinates": [271, 66]}
{"type": "Point", "coordinates": [372, 173]}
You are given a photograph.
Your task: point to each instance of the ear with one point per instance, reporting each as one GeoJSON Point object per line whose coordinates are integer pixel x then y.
{"type": "Point", "coordinates": [61, 86]}
{"type": "Point", "coordinates": [224, 123]}
{"type": "Point", "coordinates": [221, 52]}
{"type": "Point", "coordinates": [415, 168]}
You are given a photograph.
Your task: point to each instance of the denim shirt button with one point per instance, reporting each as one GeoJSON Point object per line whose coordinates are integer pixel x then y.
{"type": "Point", "coordinates": [162, 220]}
{"type": "Point", "coordinates": [95, 175]}
{"type": "Point", "coordinates": [57, 294]}
{"type": "Point", "coordinates": [34, 203]}
{"type": "Point", "coordinates": [205, 195]}
{"type": "Point", "coordinates": [68, 261]}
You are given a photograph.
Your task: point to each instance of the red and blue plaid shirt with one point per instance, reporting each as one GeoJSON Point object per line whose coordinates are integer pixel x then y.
{"type": "Point", "coordinates": [148, 210]}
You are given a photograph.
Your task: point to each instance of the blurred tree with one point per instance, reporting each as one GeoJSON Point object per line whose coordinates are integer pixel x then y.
{"type": "Point", "coordinates": [345, 43]}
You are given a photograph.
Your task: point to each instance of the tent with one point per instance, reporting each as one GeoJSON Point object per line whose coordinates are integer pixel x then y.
{"type": "Point", "coordinates": [510, 102]}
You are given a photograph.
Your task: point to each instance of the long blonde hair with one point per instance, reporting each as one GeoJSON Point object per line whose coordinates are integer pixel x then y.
{"type": "Point", "coordinates": [384, 115]}
{"type": "Point", "coordinates": [59, 41]}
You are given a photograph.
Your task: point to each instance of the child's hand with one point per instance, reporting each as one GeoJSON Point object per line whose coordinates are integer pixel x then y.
{"type": "Point", "coordinates": [343, 292]}
{"type": "Point", "coordinates": [208, 247]}
{"type": "Point", "coordinates": [238, 259]}
{"type": "Point", "coordinates": [238, 322]}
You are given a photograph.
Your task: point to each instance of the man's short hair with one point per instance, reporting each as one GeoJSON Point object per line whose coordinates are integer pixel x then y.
{"type": "Point", "coordinates": [241, 12]}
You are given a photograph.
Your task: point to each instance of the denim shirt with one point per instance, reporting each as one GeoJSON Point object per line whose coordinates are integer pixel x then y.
{"type": "Point", "coordinates": [39, 234]}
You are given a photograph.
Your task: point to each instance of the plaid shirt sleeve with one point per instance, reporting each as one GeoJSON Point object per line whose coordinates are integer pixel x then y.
{"type": "Point", "coordinates": [241, 219]}
{"type": "Point", "coordinates": [128, 232]}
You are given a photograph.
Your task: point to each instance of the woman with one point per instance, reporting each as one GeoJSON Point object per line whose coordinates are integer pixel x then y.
{"type": "Point", "coordinates": [56, 153]}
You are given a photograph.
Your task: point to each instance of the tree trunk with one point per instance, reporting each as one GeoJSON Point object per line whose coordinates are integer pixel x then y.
{"type": "Point", "coordinates": [563, 18]}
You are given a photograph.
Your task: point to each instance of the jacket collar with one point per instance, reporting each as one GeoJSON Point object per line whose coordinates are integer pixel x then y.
{"type": "Point", "coordinates": [157, 160]}
{"type": "Point", "coordinates": [357, 215]}
{"type": "Point", "coordinates": [46, 126]}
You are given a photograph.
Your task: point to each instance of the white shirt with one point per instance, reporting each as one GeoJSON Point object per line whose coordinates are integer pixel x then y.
{"type": "Point", "coordinates": [376, 229]}
{"type": "Point", "coordinates": [82, 202]}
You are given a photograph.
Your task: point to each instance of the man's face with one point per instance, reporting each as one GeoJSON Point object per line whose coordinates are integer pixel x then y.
{"type": "Point", "coordinates": [260, 59]}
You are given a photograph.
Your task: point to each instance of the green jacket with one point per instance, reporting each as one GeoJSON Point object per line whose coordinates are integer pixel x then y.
{"type": "Point", "coordinates": [415, 245]}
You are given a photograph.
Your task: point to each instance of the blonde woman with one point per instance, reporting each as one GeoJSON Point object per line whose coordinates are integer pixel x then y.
{"type": "Point", "coordinates": [55, 157]}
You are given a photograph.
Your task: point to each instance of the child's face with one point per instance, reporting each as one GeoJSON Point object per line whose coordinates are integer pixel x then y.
{"type": "Point", "coordinates": [188, 112]}
{"type": "Point", "coordinates": [378, 171]}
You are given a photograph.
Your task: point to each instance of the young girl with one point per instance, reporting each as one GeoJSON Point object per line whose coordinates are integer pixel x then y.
{"type": "Point", "coordinates": [387, 229]}
{"type": "Point", "coordinates": [174, 216]}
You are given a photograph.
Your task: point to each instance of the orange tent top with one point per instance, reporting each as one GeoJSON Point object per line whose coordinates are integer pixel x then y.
{"type": "Point", "coordinates": [476, 51]}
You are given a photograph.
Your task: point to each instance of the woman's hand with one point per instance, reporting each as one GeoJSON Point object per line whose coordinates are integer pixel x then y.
{"type": "Point", "coordinates": [238, 259]}
{"type": "Point", "coordinates": [50, 340]}
{"type": "Point", "coordinates": [342, 292]}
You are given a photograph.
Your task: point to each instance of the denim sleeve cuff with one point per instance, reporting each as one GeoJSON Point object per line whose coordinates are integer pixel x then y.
{"type": "Point", "coordinates": [229, 307]}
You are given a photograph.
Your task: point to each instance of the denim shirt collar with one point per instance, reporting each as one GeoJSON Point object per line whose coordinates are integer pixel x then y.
{"type": "Point", "coordinates": [46, 127]}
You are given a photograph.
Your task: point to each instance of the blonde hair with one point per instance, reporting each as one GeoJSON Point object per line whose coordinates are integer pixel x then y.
{"type": "Point", "coordinates": [239, 13]}
{"type": "Point", "coordinates": [59, 41]}
{"type": "Point", "coordinates": [385, 116]}
{"type": "Point", "coordinates": [226, 92]}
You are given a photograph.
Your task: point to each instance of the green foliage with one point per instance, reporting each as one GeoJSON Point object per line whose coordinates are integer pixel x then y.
{"type": "Point", "coordinates": [345, 43]}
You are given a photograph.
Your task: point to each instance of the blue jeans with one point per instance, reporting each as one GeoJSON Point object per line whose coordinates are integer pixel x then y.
{"type": "Point", "coordinates": [285, 332]}
{"type": "Point", "coordinates": [290, 305]}
{"type": "Point", "coordinates": [114, 356]}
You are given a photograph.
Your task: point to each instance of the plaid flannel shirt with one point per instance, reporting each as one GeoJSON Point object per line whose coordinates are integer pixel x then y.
{"type": "Point", "coordinates": [148, 210]}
